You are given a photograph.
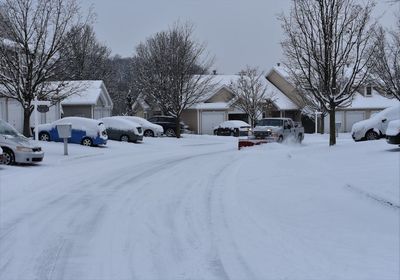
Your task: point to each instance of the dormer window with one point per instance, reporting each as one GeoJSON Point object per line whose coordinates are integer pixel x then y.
{"type": "Point", "coordinates": [368, 91]}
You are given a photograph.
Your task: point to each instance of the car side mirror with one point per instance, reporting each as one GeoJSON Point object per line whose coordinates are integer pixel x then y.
{"type": "Point", "coordinates": [384, 120]}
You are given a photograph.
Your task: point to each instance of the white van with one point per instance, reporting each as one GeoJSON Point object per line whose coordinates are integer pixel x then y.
{"type": "Point", "coordinates": [16, 147]}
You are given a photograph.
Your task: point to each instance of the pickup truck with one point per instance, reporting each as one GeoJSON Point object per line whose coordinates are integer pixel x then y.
{"type": "Point", "coordinates": [278, 130]}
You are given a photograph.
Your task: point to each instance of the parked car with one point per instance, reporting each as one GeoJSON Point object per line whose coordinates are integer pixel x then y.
{"type": "Point", "coordinates": [393, 132]}
{"type": "Point", "coordinates": [149, 129]}
{"type": "Point", "coordinates": [87, 132]}
{"type": "Point", "coordinates": [232, 128]}
{"type": "Point", "coordinates": [168, 124]}
{"type": "Point", "coordinates": [122, 130]}
{"type": "Point", "coordinates": [278, 129]}
{"type": "Point", "coordinates": [375, 127]}
{"type": "Point", "coordinates": [16, 148]}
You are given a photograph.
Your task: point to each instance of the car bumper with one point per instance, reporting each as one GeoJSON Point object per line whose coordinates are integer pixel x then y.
{"type": "Point", "coordinates": [29, 157]}
{"type": "Point", "coordinates": [393, 139]}
{"type": "Point", "coordinates": [99, 141]}
{"type": "Point", "coordinates": [135, 138]}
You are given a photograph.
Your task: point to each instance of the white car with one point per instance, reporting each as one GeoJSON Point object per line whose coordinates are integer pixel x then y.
{"type": "Point", "coordinates": [232, 128]}
{"type": "Point", "coordinates": [149, 129]}
{"type": "Point", "coordinates": [16, 148]}
{"type": "Point", "coordinates": [375, 127]}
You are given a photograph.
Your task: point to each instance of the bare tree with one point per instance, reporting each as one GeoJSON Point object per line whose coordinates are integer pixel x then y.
{"type": "Point", "coordinates": [30, 56]}
{"type": "Point", "coordinates": [328, 50]}
{"type": "Point", "coordinates": [171, 70]}
{"type": "Point", "coordinates": [386, 70]}
{"type": "Point", "coordinates": [86, 58]}
{"type": "Point", "coordinates": [251, 92]}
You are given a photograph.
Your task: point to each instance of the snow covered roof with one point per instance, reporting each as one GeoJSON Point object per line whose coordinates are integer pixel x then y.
{"type": "Point", "coordinates": [375, 101]}
{"type": "Point", "coordinates": [281, 101]}
{"type": "Point", "coordinates": [88, 94]}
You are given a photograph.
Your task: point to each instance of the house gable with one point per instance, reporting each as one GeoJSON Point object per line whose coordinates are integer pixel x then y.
{"type": "Point", "coordinates": [280, 82]}
{"type": "Point", "coordinates": [223, 94]}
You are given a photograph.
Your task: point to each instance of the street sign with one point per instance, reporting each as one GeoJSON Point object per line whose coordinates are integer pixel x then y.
{"type": "Point", "coordinates": [43, 108]}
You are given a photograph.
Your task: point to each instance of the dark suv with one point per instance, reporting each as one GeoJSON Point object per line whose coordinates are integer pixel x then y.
{"type": "Point", "coordinates": [168, 123]}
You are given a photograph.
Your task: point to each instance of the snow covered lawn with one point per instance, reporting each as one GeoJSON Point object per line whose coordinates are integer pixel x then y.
{"type": "Point", "coordinates": [197, 208]}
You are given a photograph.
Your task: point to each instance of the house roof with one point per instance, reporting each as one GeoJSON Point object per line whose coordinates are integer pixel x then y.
{"type": "Point", "coordinates": [375, 101]}
{"type": "Point", "coordinates": [88, 93]}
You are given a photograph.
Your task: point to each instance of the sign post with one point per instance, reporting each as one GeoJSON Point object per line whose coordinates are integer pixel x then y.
{"type": "Point", "coordinates": [316, 121]}
{"type": "Point", "coordinates": [64, 132]}
{"type": "Point", "coordinates": [42, 104]}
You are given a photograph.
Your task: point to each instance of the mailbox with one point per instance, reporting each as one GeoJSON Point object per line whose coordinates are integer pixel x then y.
{"type": "Point", "coordinates": [64, 130]}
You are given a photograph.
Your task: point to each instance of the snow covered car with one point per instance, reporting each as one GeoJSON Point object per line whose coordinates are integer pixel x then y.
{"type": "Point", "coordinates": [16, 147]}
{"type": "Point", "coordinates": [232, 128]}
{"type": "Point", "coordinates": [168, 123]}
{"type": "Point", "coordinates": [149, 129]}
{"type": "Point", "coordinates": [393, 132]}
{"type": "Point", "coordinates": [375, 127]}
{"type": "Point", "coordinates": [122, 130]}
{"type": "Point", "coordinates": [87, 132]}
{"type": "Point", "coordinates": [278, 129]}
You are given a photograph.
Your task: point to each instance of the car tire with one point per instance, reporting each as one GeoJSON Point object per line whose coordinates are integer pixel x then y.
{"type": "Point", "coordinates": [215, 132]}
{"type": "Point", "coordinates": [44, 136]}
{"type": "Point", "coordinates": [87, 142]}
{"type": "Point", "coordinates": [170, 132]}
{"type": "Point", "coordinates": [124, 138]}
{"type": "Point", "coordinates": [280, 139]}
{"type": "Point", "coordinates": [8, 157]}
{"type": "Point", "coordinates": [371, 135]}
{"type": "Point", "coordinates": [148, 133]}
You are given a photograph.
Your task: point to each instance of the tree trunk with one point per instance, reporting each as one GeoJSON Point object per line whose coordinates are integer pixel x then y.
{"type": "Point", "coordinates": [178, 127]}
{"type": "Point", "coordinates": [332, 126]}
{"type": "Point", "coordinates": [27, 127]}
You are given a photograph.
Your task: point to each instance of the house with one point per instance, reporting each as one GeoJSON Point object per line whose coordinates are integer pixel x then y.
{"type": "Point", "coordinates": [91, 100]}
{"type": "Point", "coordinates": [218, 106]}
{"type": "Point", "coordinates": [367, 101]}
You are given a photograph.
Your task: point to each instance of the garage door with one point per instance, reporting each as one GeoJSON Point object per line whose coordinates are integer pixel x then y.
{"type": "Point", "coordinates": [209, 120]}
{"type": "Point", "coordinates": [352, 118]}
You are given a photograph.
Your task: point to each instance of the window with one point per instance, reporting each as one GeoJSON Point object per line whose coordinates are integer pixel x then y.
{"type": "Point", "coordinates": [368, 91]}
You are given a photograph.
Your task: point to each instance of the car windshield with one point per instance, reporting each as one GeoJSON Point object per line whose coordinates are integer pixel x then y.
{"type": "Point", "coordinates": [270, 122]}
{"type": "Point", "coordinates": [6, 129]}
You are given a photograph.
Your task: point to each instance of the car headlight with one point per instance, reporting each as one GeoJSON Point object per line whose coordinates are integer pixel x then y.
{"type": "Point", "coordinates": [24, 149]}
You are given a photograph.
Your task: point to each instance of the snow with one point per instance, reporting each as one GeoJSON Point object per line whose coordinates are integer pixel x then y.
{"type": "Point", "coordinates": [92, 127]}
{"type": "Point", "coordinates": [144, 123]}
{"type": "Point", "coordinates": [121, 124]}
{"type": "Point", "coordinates": [375, 101]}
{"type": "Point", "coordinates": [391, 113]}
{"type": "Point", "coordinates": [197, 208]}
{"type": "Point", "coordinates": [233, 124]}
{"type": "Point", "coordinates": [88, 94]}
{"type": "Point", "coordinates": [393, 128]}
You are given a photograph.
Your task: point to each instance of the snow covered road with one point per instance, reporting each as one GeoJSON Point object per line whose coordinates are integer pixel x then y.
{"type": "Point", "coordinates": [196, 208]}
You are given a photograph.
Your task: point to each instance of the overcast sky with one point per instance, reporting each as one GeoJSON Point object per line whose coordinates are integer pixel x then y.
{"type": "Point", "coordinates": [237, 32]}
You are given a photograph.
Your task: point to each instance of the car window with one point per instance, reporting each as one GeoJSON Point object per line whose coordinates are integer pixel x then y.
{"type": "Point", "coordinates": [6, 129]}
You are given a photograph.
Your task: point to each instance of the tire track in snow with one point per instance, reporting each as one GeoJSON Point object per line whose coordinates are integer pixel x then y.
{"type": "Point", "coordinates": [46, 269]}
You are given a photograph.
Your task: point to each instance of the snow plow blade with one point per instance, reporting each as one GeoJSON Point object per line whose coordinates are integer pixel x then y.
{"type": "Point", "coordinates": [250, 142]}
